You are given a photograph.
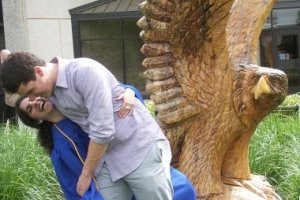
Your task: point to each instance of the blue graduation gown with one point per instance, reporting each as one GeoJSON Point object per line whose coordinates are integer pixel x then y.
{"type": "Point", "coordinates": [65, 160]}
{"type": "Point", "coordinates": [68, 166]}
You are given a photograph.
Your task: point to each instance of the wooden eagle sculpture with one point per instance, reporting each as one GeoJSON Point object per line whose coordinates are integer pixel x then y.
{"type": "Point", "coordinates": [210, 94]}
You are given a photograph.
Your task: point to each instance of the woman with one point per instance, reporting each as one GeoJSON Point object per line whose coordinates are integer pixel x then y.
{"type": "Point", "coordinates": [67, 145]}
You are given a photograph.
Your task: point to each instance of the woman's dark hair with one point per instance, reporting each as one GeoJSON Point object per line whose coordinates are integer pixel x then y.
{"type": "Point", "coordinates": [44, 133]}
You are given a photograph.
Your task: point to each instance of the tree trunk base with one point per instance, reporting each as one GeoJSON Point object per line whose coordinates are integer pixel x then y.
{"type": "Point", "coordinates": [256, 188]}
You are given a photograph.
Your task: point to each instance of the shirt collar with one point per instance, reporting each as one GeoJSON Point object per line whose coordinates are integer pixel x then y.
{"type": "Point", "coordinates": [61, 73]}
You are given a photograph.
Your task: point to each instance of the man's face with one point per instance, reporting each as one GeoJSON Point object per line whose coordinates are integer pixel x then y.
{"type": "Point", "coordinates": [36, 88]}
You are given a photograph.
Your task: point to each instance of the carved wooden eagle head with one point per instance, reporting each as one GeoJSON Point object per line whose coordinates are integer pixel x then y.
{"type": "Point", "coordinates": [257, 91]}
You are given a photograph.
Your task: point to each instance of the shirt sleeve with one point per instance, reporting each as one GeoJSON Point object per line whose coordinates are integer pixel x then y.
{"type": "Point", "coordinates": [93, 84]}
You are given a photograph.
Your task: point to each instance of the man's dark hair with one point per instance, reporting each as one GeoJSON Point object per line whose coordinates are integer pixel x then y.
{"type": "Point", "coordinates": [44, 133]}
{"type": "Point", "coordinates": [18, 68]}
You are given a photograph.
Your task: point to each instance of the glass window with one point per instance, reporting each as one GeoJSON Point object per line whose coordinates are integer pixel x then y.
{"type": "Point", "coordinates": [133, 55]}
{"type": "Point", "coordinates": [279, 42]}
{"type": "Point", "coordinates": [287, 46]}
{"type": "Point", "coordinates": [116, 44]}
{"type": "Point", "coordinates": [133, 63]}
{"type": "Point", "coordinates": [107, 52]}
{"type": "Point", "coordinates": [97, 29]}
{"type": "Point", "coordinates": [130, 28]}
{"type": "Point", "coordinates": [271, 21]}
{"type": "Point", "coordinates": [290, 16]}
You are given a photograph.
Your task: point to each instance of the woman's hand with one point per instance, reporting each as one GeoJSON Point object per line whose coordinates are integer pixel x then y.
{"type": "Point", "coordinates": [128, 103]}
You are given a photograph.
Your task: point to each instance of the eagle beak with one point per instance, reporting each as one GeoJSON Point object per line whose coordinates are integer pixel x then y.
{"type": "Point", "coordinates": [262, 87]}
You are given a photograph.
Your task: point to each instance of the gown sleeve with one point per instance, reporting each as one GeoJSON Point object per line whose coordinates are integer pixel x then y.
{"type": "Point", "coordinates": [68, 167]}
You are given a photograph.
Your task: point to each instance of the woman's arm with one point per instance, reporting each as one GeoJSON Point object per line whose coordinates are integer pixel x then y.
{"type": "Point", "coordinates": [129, 98]}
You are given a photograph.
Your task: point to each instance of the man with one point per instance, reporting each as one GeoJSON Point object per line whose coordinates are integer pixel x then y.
{"type": "Point", "coordinates": [3, 54]}
{"type": "Point", "coordinates": [8, 112]}
{"type": "Point", "coordinates": [10, 99]}
{"type": "Point", "coordinates": [126, 155]}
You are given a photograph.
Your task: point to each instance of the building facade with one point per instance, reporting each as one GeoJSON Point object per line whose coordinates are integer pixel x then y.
{"type": "Point", "coordinates": [280, 41]}
{"type": "Point", "coordinates": [106, 30]}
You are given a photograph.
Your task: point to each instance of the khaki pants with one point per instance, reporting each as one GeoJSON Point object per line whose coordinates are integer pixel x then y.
{"type": "Point", "coordinates": [150, 181]}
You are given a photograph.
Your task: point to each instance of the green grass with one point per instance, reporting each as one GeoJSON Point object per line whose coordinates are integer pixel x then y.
{"type": "Point", "coordinates": [26, 172]}
{"type": "Point", "coordinates": [275, 153]}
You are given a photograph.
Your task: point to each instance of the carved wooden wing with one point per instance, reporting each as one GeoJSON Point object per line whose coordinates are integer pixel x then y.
{"type": "Point", "coordinates": [186, 54]}
{"type": "Point", "coordinates": [245, 24]}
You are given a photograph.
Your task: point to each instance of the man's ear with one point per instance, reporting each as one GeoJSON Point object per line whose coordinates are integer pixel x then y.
{"type": "Point", "coordinates": [38, 71]}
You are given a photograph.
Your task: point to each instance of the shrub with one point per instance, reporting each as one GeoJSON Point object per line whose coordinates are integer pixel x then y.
{"type": "Point", "coordinates": [275, 153]}
{"type": "Point", "coordinates": [26, 172]}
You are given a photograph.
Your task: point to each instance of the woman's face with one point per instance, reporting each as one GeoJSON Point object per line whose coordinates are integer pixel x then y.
{"type": "Point", "coordinates": [39, 108]}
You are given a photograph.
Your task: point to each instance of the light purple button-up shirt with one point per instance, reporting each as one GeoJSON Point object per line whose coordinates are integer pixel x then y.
{"type": "Point", "coordinates": [86, 92]}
